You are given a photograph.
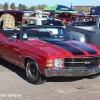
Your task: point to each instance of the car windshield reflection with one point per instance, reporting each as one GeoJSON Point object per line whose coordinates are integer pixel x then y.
{"type": "Point", "coordinates": [41, 33]}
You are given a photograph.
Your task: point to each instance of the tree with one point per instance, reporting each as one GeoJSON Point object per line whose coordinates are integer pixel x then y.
{"type": "Point", "coordinates": [44, 6]}
{"type": "Point", "coordinates": [12, 6]}
{"type": "Point", "coordinates": [24, 7]}
{"type": "Point", "coordinates": [20, 6]}
{"type": "Point", "coordinates": [39, 7]}
{"type": "Point", "coordinates": [1, 6]}
{"type": "Point", "coordinates": [6, 6]}
{"type": "Point", "coordinates": [32, 7]}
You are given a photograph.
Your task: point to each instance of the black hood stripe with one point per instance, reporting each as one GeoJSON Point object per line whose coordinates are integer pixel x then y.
{"type": "Point", "coordinates": [65, 46]}
{"type": "Point", "coordinates": [87, 49]}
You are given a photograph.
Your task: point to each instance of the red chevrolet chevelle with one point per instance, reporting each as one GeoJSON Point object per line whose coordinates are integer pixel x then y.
{"type": "Point", "coordinates": [46, 51]}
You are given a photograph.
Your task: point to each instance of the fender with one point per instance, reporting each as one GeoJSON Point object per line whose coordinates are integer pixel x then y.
{"type": "Point", "coordinates": [79, 36]}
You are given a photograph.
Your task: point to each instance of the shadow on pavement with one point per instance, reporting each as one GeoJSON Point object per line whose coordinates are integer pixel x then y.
{"type": "Point", "coordinates": [21, 72]}
{"type": "Point", "coordinates": [63, 79]}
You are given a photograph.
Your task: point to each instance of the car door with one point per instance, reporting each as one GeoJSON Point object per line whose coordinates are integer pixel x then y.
{"type": "Point", "coordinates": [96, 33]}
{"type": "Point", "coordinates": [2, 44]}
{"type": "Point", "coordinates": [9, 52]}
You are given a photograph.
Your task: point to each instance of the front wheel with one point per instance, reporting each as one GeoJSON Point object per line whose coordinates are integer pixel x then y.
{"type": "Point", "coordinates": [33, 74]}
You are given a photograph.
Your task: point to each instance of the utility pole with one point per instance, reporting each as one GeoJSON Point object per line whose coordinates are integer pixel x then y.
{"type": "Point", "coordinates": [71, 5]}
{"type": "Point", "coordinates": [8, 5]}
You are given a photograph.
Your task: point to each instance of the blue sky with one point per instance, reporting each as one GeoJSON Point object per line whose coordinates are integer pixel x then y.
{"type": "Point", "coordinates": [29, 3]}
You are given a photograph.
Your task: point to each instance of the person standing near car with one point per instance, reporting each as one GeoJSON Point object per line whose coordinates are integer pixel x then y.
{"type": "Point", "coordinates": [8, 21]}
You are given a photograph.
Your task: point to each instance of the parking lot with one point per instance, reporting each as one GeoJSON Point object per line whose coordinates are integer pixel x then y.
{"type": "Point", "coordinates": [14, 86]}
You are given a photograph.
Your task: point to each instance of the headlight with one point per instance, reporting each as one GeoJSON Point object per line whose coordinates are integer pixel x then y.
{"type": "Point", "coordinates": [58, 62]}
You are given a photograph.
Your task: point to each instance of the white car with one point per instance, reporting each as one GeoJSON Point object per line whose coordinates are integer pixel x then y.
{"type": "Point", "coordinates": [44, 21]}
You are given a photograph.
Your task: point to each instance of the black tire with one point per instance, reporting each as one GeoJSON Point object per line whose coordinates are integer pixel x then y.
{"type": "Point", "coordinates": [93, 76]}
{"type": "Point", "coordinates": [0, 59]}
{"type": "Point", "coordinates": [32, 73]}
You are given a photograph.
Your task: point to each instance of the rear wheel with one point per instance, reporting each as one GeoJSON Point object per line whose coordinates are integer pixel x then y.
{"type": "Point", "coordinates": [33, 74]}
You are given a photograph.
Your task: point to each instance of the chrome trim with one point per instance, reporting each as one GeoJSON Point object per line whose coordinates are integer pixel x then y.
{"type": "Point", "coordinates": [74, 62]}
{"type": "Point", "coordinates": [86, 61]}
{"type": "Point", "coordinates": [83, 57]}
{"type": "Point", "coordinates": [49, 72]}
{"type": "Point", "coordinates": [82, 62]}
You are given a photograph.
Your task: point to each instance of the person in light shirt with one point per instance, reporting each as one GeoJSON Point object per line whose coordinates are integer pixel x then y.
{"type": "Point", "coordinates": [8, 21]}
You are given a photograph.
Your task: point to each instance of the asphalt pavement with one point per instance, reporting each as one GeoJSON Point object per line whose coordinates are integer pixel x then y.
{"type": "Point", "coordinates": [14, 86]}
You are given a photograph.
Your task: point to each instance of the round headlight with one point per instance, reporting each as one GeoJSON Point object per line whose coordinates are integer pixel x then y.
{"type": "Point", "coordinates": [58, 62]}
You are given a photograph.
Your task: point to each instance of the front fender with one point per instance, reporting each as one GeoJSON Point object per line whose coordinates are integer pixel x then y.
{"type": "Point", "coordinates": [79, 36]}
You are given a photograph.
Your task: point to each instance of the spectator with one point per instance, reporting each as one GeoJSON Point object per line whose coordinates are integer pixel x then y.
{"type": "Point", "coordinates": [8, 21]}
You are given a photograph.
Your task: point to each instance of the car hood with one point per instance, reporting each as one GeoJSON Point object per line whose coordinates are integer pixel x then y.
{"type": "Point", "coordinates": [66, 48]}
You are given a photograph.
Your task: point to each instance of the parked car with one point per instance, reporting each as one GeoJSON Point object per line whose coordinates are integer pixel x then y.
{"type": "Point", "coordinates": [65, 17]}
{"type": "Point", "coordinates": [84, 21]}
{"type": "Point", "coordinates": [86, 34]}
{"type": "Point", "coordinates": [27, 15]}
{"type": "Point", "coordinates": [44, 21]}
{"type": "Point", "coordinates": [47, 51]}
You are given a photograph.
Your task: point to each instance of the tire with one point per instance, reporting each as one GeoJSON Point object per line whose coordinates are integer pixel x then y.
{"type": "Point", "coordinates": [93, 76]}
{"type": "Point", "coordinates": [32, 73]}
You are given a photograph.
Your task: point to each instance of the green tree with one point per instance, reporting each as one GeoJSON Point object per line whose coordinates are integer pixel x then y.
{"type": "Point", "coordinates": [24, 7]}
{"type": "Point", "coordinates": [20, 6]}
{"type": "Point", "coordinates": [32, 7]}
{"type": "Point", "coordinates": [44, 6]}
{"type": "Point", "coordinates": [1, 6]}
{"type": "Point", "coordinates": [6, 6]}
{"type": "Point", "coordinates": [39, 7]}
{"type": "Point", "coordinates": [12, 6]}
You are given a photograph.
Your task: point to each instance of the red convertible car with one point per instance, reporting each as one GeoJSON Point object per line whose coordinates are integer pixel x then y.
{"type": "Point", "coordinates": [47, 51]}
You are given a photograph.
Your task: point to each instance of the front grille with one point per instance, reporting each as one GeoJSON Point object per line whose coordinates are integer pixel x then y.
{"type": "Point", "coordinates": [82, 62]}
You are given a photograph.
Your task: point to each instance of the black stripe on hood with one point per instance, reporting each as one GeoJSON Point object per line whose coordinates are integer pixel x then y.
{"type": "Point", "coordinates": [65, 46]}
{"type": "Point", "coordinates": [87, 49]}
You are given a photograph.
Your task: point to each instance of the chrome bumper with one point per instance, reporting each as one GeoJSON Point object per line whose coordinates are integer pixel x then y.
{"type": "Point", "coordinates": [49, 72]}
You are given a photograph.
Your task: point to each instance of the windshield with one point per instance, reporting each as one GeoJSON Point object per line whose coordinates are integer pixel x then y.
{"type": "Point", "coordinates": [41, 33]}
{"type": "Point", "coordinates": [52, 22]}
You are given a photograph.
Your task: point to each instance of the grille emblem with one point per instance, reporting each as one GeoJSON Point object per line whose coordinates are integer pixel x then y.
{"type": "Point", "coordinates": [87, 62]}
